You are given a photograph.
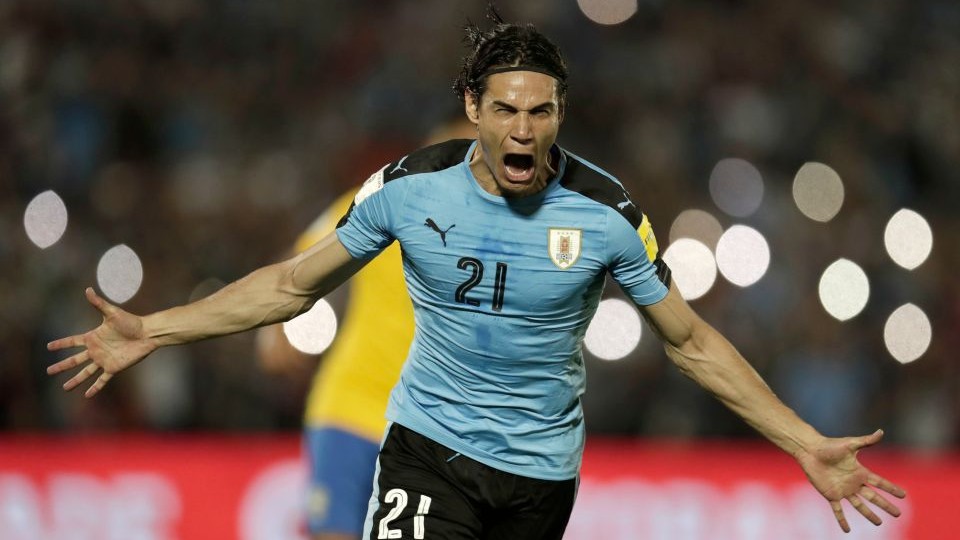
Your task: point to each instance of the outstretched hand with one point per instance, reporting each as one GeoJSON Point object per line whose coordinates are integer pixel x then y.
{"type": "Point", "coordinates": [118, 343]}
{"type": "Point", "coordinates": [834, 470]}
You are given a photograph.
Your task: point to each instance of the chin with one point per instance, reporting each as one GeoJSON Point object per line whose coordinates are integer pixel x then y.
{"type": "Point", "coordinates": [517, 191]}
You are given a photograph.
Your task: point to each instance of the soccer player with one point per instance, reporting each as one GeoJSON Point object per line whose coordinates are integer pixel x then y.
{"type": "Point", "coordinates": [506, 242]}
{"type": "Point", "coordinates": [344, 419]}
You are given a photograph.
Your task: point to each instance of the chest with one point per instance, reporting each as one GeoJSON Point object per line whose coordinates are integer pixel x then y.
{"type": "Point", "coordinates": [491, 258]}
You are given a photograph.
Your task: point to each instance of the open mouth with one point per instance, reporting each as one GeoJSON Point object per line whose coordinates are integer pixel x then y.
{"type": "Point", "coordinates": [519, 167]}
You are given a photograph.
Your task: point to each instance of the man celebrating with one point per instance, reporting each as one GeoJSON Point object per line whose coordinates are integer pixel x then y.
{"type": "Point", "coordinates": [486, 432]}
{"type": "Point", "coordinates": [344, 418]}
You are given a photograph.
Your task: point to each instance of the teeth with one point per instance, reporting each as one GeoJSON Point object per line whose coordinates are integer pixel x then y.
{"type": "Point", "coordinates": [516, 173]}
{"type": "Point", "coordinates": [518, 167]}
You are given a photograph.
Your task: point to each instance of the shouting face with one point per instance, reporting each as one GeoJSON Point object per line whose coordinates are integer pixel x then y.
{"type": "Point", "coordinates": [517, 120]}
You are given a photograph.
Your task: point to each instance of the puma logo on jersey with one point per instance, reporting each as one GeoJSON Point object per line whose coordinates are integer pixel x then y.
{"type": "Point", "coordinates": [442, 232]}
{"type": "Point", "coordinates": [400, 166]}
{"type": "Point", "coordinates": [624, 204]}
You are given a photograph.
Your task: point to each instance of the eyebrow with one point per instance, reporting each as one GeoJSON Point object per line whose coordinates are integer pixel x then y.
{"type": "Point", "coordinates": [544, 105]}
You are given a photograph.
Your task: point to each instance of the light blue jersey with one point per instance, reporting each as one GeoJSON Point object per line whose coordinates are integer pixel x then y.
{"type": "Point", "coordinates": [503, 291]}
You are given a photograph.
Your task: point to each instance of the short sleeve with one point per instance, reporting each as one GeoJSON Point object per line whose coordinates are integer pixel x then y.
{"type": "Point", "coordinates": [367, 228]}
{"type": "Point", "coordinates": [635, 262]}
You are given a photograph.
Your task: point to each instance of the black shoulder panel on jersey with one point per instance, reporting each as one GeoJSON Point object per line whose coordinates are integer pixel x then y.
{"type": "Point", "coordinates": [587, 181]}
{"type": "Point", "coordinates": [432, 158]}
{"type": "Point", "coordinates": [428, 159]}
{"type": "Point", "coordinates": [663, 271]}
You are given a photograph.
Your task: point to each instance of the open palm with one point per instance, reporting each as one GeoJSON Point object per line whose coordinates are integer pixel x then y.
{"type": "Point", "coordinates": [118, 343]}
{"type": "Point", "coordinates": [834, 470]}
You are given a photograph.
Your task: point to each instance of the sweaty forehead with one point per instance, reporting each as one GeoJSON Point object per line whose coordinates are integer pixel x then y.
{"type": "Point", "coordinates": [521, 88]}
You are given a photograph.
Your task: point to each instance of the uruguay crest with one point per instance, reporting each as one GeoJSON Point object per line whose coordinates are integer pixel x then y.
{"type": "Point", "coordinates": [564, 247]}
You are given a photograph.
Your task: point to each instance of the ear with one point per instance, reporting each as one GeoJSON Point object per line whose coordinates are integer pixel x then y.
{"type": "Point", "coordinates": [471, 105]}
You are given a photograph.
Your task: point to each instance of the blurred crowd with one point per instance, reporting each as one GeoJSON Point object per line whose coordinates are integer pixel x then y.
{"type": "Point", "coordinates": [205, 134]}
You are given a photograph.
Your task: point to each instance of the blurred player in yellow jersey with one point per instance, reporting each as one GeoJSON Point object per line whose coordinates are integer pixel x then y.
{"type": "Point", "coordinates": [344, 418]}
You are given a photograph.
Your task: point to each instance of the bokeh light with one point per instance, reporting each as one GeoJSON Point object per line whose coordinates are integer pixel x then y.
{"type": "Point", "coordinates": [693, 266]}
{"type": "Point", "coordinates": [844, 289]}
{"type": "Point", "coordinates": [907, 333]}
{"type": "Point", "coordinates": [818, 191]}
{"type": "Point", "coordinates": [312, 332]}
{"type": "Point", "coordinates": [45, 219]}
{"type": "Point", "coordinates": [608, 11]}
{"type": "Point", "coordinates": [736, 187]}
{"type": "Point", "coordinates": [119, 273]}
{"type": "Point", "coordinates": [698, 225]}
{"type": "Point", "coordinates": [743, 255]}
{"type": "Point", "coordinates": [614, 331]}
{"type": "Point", "coordinates": [908, 239]}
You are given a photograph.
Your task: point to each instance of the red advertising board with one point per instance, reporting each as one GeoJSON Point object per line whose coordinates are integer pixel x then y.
{"type": "Point", "coordinates": [728, 491]}
{"type": "Point", "coordinates": [113, 488]}
{"type": "Point", "coordinates": [250, 487]}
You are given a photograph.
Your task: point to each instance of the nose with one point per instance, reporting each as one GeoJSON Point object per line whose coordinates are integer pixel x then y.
{"type": "Point", "coordinates": [522, 129]}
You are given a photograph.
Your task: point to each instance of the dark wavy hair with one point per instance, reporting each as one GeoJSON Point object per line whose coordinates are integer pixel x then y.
{"type": "Point", "coordinates": [507, 45]}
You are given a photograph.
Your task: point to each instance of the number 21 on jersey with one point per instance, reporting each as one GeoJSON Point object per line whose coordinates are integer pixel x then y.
{"type": "Point", "coordinates": [399, 497]}
{"type": "Point", "coordinates": [475, 267]}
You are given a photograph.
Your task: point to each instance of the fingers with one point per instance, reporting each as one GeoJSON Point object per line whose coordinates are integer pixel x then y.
{"type": "Point", "coordinates": [98, 385]}
{"type": "Point", "coordinates": [77, 340]}
{"type": "Point", "coordinates": [879, 501]}
{"type": "Point", "coordinates": [81, 376]}
{"type": "Point", "coordinates": [856, 501]}
{"type": "Point", "coordinates": [838, 513]}
{"type": "Point", "coordinates": [65, 343]}
{"type": "Point", "coordinates": [864, 509]}
{"type": "Point", "coordinates": [68, 363]}
{"type": "Point", "coordinates": [886, 485]}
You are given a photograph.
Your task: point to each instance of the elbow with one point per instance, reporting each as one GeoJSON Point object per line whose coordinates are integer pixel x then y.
{"type": "Point", "coordinates": [295, 299]}
{"type": "Point", "coordinates": [689, 351]}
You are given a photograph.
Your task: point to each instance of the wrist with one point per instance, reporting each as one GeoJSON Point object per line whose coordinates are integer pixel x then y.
{"type": "Point", "coordinates": [156, 332]}
{"type": "Point", "coordinates": [805, 444]}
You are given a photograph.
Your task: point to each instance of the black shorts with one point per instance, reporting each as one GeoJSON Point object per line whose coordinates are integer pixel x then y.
{"type": "Point", "coordinates": [424, 490]}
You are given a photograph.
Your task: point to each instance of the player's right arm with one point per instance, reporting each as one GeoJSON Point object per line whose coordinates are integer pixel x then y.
{"type": "Point", "coordinates": [275, 354]}
{"type": "Point", "coordinates": [268, 295]}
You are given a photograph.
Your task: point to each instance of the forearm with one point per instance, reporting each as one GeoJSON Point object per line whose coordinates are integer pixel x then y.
{"type": "Point", "coordinates": [257, 299]}
{"type": "Point", "coordinates": [269, 295]}
{"type": "Point", "coordinates": [710, 360]}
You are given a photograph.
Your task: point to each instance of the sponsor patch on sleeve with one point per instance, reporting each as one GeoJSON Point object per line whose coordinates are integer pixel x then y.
{"type": "Point", "coordinates": [648, 238]}
{"type": "Point", "coordinates": [371, 186]}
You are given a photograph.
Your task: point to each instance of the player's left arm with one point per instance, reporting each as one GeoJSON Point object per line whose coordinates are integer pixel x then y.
{"type": "Point", "coordinates": [831, 464]}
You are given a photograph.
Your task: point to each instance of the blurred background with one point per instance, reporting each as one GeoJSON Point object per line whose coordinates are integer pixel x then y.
{"type": "Point", "coordinates": [798, 161]}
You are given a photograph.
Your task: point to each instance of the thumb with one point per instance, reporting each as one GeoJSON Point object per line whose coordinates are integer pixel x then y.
{"type": "Point", "coordinates": [98, 302]}
{"type": "Point", "coordinates": [868, 440]}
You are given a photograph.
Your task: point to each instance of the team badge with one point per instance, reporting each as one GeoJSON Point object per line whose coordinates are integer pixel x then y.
{"type": "Point", "coordinates": [564, 247]}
